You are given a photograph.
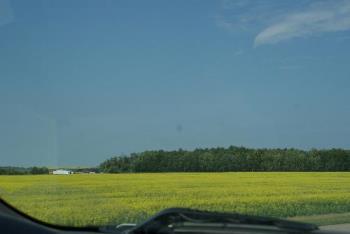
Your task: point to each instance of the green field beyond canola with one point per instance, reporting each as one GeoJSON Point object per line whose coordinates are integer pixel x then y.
{"type": "Point", "coordinates": [116, 198]}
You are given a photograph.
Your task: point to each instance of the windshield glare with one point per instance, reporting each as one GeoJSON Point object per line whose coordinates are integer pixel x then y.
{"type": "Point", "coordinates": [112, 111]}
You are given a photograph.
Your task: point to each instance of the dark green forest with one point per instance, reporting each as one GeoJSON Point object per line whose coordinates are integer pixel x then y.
{"type": "Point", "coordinates": [213, 160]}
{"type": "Point", "coordinates": [23, 170]}
{"type": "Point", "coordinates": [229, 159]}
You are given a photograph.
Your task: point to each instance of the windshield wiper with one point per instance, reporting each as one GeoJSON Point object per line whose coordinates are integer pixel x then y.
{"type": "Point", "coordinates": [180, 220]}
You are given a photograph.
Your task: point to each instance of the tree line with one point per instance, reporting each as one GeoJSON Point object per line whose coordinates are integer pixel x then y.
{"type": "Point", "coordinates": [229, 159]}
{"type": "Point", "coordinates": [217, 159]}
{"type": "Point", "coordinates": [23, 170]}
{"type": "Point", "coordinates": [41, 170]}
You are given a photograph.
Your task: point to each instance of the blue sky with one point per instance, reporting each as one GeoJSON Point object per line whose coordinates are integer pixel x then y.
{"type": "Point", "coordinates": [81, 81]}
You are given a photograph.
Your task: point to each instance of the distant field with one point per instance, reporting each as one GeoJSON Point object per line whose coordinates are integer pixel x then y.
{"type": "Point", "coordinates": [105, 198]}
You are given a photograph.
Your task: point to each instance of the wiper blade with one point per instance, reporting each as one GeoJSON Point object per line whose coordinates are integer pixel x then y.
{"type": "Point", "coordinates": [180, 220]}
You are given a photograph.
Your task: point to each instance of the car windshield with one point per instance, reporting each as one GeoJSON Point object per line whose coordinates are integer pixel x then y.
{"type": "Point", "coordinates": [111, 111]}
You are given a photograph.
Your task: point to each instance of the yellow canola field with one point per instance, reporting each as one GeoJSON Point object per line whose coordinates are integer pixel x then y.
{"type": "Point", "coordinates": [100, 199]}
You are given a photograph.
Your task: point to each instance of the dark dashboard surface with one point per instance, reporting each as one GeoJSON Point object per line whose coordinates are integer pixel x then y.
{"type": "Point", "coordinates": [14, 221]}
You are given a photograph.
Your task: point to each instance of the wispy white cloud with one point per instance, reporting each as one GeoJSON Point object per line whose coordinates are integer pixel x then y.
{"type": "Point", "coordinates": [249, 15]}
{"type": "Point", "coordinates": [319, 18]}
{"type": "Point", "coordinates": [276, 21]}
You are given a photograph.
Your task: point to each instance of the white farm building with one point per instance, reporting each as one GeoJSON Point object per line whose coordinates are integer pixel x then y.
{"type": "Point", "coordinates": [61, 172]}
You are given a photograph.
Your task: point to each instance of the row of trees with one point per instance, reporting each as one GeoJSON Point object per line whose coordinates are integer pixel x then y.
{"type": "Point", "coordinates": [23, 171]}
{"type": "Point", "coordinates": [230, 159]}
